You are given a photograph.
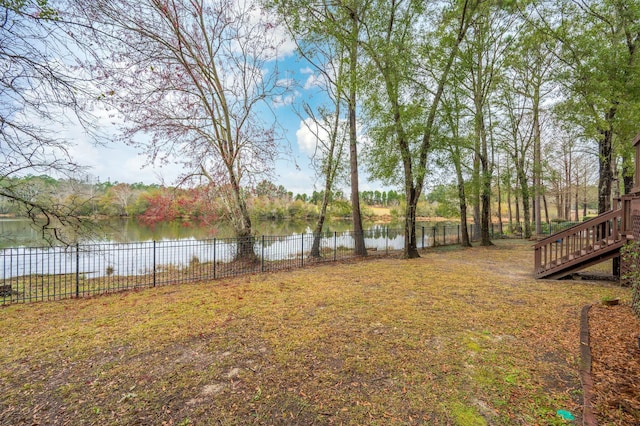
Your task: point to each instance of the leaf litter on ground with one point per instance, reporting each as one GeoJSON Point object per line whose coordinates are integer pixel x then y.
{"type": "Point", "coordinates": [458, 336]}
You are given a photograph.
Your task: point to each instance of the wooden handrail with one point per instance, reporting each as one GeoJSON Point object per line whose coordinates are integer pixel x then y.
{"type": "Point", "coordinates": [586, 240]}
{"type": "Point", "coordinates": [587, 223]}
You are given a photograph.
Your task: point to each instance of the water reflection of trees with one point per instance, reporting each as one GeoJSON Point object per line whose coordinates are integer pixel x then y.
{"type": "Point", "coordinates": [17, 232]}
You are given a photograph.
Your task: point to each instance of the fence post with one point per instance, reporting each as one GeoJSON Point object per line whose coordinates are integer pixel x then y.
{"type": "Point", "coordinates": [302, 248]}
{"type": "Point", "coordinates": [444, 235]}
{"type": "Point", "coordinates": [77, 270]}
{"type": "Point", "coordinates": [335, 245]}
{"type": "Point", "coordinates": [434, 236]}
{"type": "Point", "coordinates": [423, 237]}
{"type": "Point", "coordinates": [215, 244]}
{"type": "Point", "coordinates": [154, 263]}
{"type": "Point", "coordinates": [458, 233]}
{"type": "Point", "coordinates": [18, 271]}
{"type": "Point", "coordinates": [262, 256]}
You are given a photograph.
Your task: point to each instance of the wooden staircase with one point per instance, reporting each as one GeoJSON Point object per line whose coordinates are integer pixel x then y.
{"type": "Point", "coordinates": [583, 245]}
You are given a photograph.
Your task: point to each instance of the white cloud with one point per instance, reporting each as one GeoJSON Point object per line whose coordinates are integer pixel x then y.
{"type": "Point", "coordinates": [306, 136]}
{"type": "Point", "coordinates": [313, 81]}
{"type": "Point", "coordinates": [280, 101]}
{"type": "Point", "coordinates": [277, 43]}
{"type": "Point", "coordinates": [306, 70]}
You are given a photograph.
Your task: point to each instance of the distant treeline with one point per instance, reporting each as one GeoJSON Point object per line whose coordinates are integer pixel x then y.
{"type": "Point", "coordinates": [156, 203]}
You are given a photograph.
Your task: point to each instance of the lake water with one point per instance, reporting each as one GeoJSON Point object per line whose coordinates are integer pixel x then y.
{"type": "Point", "coordinates": [21, 232]}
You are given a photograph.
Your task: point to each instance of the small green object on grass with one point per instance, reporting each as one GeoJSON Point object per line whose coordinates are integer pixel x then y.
{"type": "Point", "coordinates": [566, 415]}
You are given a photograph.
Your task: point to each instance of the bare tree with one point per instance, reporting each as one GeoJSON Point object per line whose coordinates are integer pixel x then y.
{"type": "Point", "coordinates": [37, 91]}
{"type": "Point", "coordinates": [195, 76]}
{"type": "Point", "coordinates": [330, 132]}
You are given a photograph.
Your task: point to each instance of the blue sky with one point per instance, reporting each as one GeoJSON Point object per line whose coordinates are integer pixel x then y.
{"type": "Point", "coordinates": [118, 162]}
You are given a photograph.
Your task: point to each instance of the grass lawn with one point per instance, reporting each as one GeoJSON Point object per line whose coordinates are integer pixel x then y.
{"type": "Point", "coordinates": [457, 337]}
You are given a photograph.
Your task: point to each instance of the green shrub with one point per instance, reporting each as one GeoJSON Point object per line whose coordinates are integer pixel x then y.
{"type": "Point", "coordinates": [301, 210]}
{"type": "Point", "coordinates": [340, 208]}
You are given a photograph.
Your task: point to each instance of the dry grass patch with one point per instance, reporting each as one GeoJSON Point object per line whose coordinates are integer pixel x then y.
{"type": "Point", "coordinates": [456, 337]}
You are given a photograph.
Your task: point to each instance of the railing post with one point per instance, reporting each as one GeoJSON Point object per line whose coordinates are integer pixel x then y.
{"type": "Point", "coordinates": [423, 237]}
{"type": "Point", "coordinates": [433, 240]}
{"type": "Point", "coordinates": [154, 263]}
{"type": "Point", "coordinates": [215, 244]}
{"type": "Point", "coordinates": [444, 235]}
{"type": "Point", "coordinates": [262, 256]}
{"type": "Point", "coordinates": [302, 248]}
{"type": "Point", "coordinates": [77, 270]}
{"type": "Point", "coordinates": [335, 245]}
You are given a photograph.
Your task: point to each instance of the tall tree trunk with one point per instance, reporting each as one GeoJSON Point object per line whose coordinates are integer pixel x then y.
{"type": "Point", "coordinates": [605, 154]}
{"type": "Point", "coordinates": [546, 210]}
{"type": "Point", "coordinates": [317, 232]}
{"type": "Point", "coordinates": [358, 232]}
{"type": "Point", "coordinates": [245, 239]}
{"type": "Point", "coordinates": [567, 184]}
{"type": "Point", "coordinates": [577, 202]}
{"type": "Point", "coordinates": [627, 174]}
{"type": "Point", "coordinates": [509, 207]}
{"type": "Point", "coordinates": [524, 188]}
{"type": "Point", "coordinates": [330, 169]}
{"type": "Point", "coordinates": [485, 236]}
{"type": "Point", "coordinates": [411, 244]}
{"type": "Point", "coordinates": [412, 195]}
{"type": "Point", "coordinates": [537, 160]}
{"type": "Point", "coordinates": [486, 176]}
{"type": "Point", "coordinates": [476, 192]}
{"type": "Point", "coordinates": [464, 242]}
{"type": "Point", "coordinates": [533, 211]}
{"type": "Point", "coordinates": [500, 230]}
{"type": "Point", "coordinates": [559, 200]}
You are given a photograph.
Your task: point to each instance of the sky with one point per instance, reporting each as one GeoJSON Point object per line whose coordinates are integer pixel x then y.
{"type": "Point", "coordinates": [117, 162]}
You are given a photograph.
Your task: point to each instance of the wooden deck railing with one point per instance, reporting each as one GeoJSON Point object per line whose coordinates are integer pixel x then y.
{"type": "Point", "coordinates": [588, 240]}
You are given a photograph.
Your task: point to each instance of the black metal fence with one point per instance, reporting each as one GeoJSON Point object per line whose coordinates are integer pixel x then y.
{"type": "Point", "coordinates": [53, 273]}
